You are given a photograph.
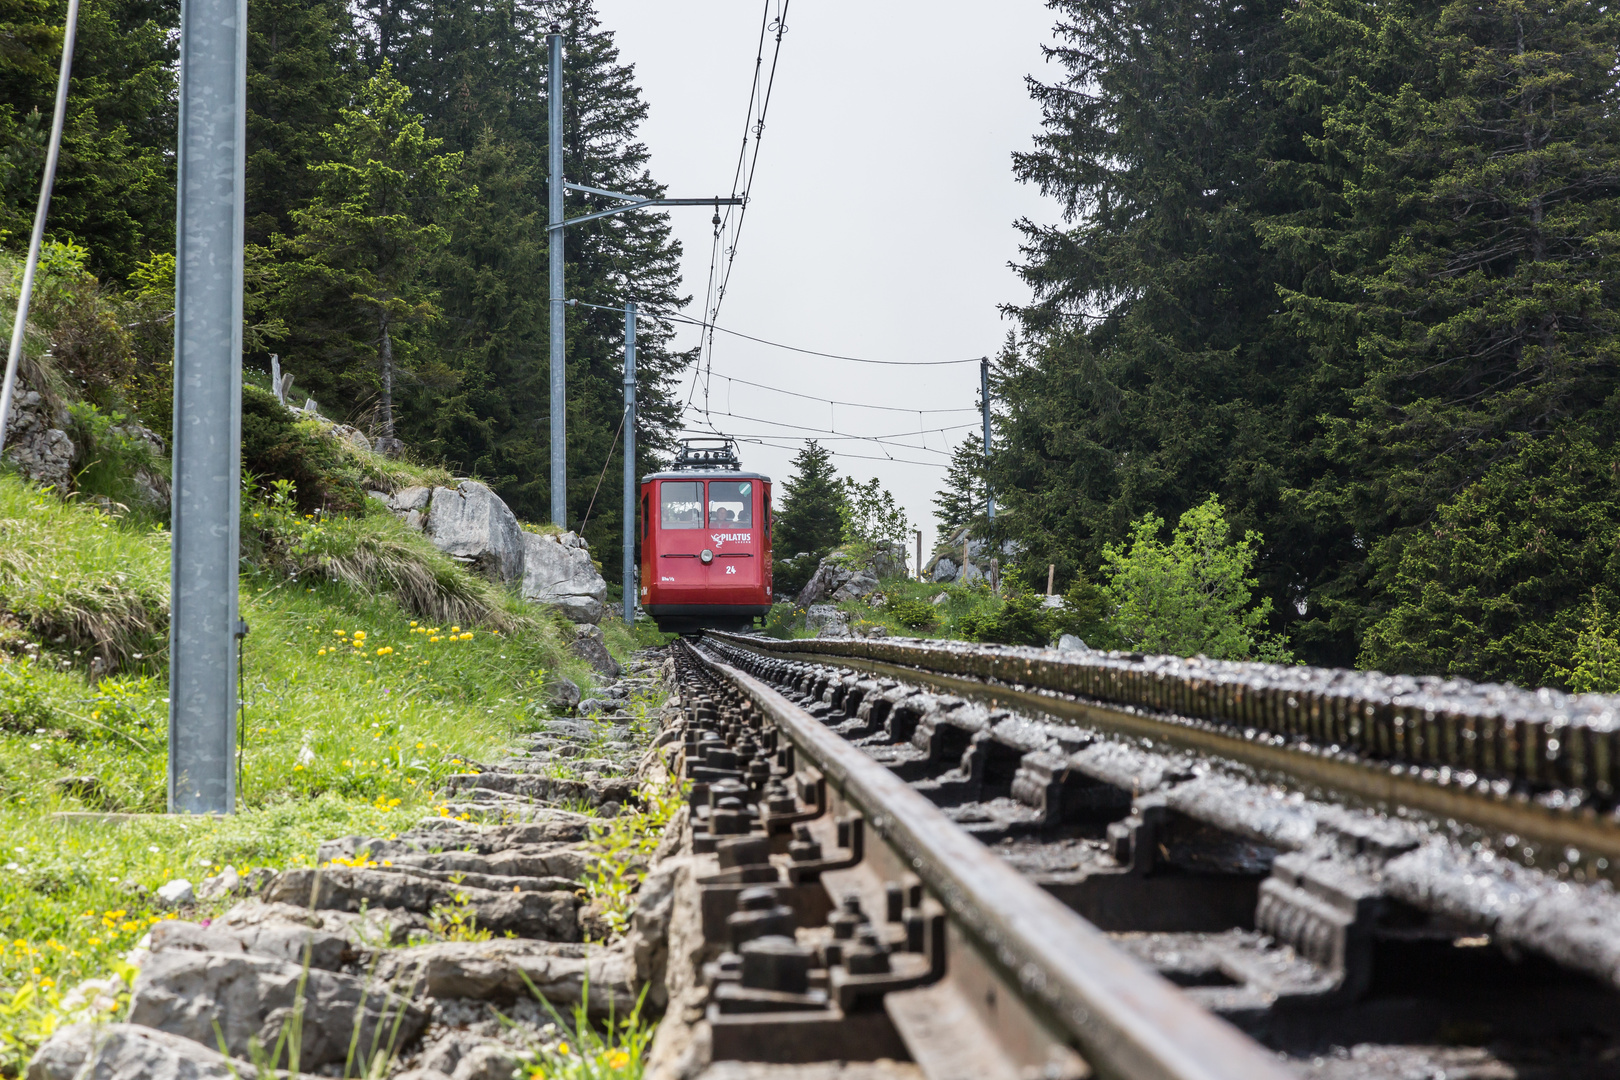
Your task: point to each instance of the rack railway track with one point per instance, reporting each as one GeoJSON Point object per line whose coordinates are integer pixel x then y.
{"type": "Point", "coordinates": [1006, 862]}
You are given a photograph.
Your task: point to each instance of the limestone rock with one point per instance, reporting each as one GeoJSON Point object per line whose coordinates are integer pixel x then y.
{"type": "Point", "coordinates": [214, 997]}
{"type": "Point", "coordinates": [548, 915]}
{"type": "Point", "coordinates": [1070, 643]}
{"type": "Point", "coordinates": [36, 443]}
{"type": "Point", "coordinates": [130, 1052]}
{"type": "Point", "coordinates": [558, 570]}
{"type": "Point", "coordinates": [279, 940]}
{"type": "Point", "coordinates": [841, 577]}
{"type": "Point", "coordinates": [827, 621]}
{"type": "Point", "coordinates": [502, 970]}
{"type": "Point", "coordinates": [588, 646]}
{"type": "Point", "coordinates": [410, 505]}
{"type": "Point", "coordinates": [562, 695]}
{"type": "Point", "coordinates": [945, 569]}
{"type": "Point", "coordinates": [470, 523]}
{"type": "Point", "coordinates": [176, 893]}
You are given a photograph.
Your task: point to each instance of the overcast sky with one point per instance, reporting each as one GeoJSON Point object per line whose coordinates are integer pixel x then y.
{"type": "Point", "coordinates": [881, 223]}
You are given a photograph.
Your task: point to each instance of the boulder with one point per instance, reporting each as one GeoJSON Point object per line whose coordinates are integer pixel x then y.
{"type": "Point", "coordinates": [469, 522]}
{"type": "Point", "coordinates": [562, 695]}
{"type": "Point", "coordinates": [215, 998]}
{"type": "Point", "coordinates": [827, 621]}
{"type": "Point", "coordinates": [589, 647]}
{"type": "Point", "coordinates": [410, 505]}
{"type": "Point", "coordinates": [945, 569]}
{"type": "Point", "coordinates": [130, 1052]}
{"type": "Point", "coordinates": [1070, 643]}
{"type": "Point", "coordinates": [558, 570]}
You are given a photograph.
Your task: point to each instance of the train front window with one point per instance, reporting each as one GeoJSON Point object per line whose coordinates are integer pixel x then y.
{"type": "Point", "coordinates": [682, 504]}
{"type": "Point", "coordinates": [731, 504]}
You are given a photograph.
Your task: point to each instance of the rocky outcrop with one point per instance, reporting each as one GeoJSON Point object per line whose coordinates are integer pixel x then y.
{"type": "Point", "coordinates": [469, 522]}
{"type": "Point", "coordinates": [37, 443]}
{"type": "Point", "coordinates": [845, 576]}
{"type": "Point", "coordinates": [557, 569]}
{"type": "Point", "coordinates": [948, 566]}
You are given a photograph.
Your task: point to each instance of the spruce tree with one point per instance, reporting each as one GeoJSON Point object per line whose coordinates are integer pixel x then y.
{"type": "Point", "coordinates": [1465, 194]}
{"type": "Point", "coordinates": [364, 241]}
{"type": "Point", "coordinates": [962, 500]}
{"type": "Point", "coordinates": [302, 69]}
{"type": "Point", "coordinates": [479, 75]}
{"type": "Point", "coordinates": [807, 510]}
{"type": "Point", "coordinates": [114, 191]}
{"type": "Point", "coordinates": [1149, 370]}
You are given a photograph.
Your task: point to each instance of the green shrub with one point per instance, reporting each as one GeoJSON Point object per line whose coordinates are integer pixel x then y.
{"type": "Point", "coordinates": [1192, 595]}
{"type": "Point", "coordinates": [915, 613]}
{"type": "Point", "coordinates": [114, 461]}
{"type": "Point", "coordinates": [275, 446]}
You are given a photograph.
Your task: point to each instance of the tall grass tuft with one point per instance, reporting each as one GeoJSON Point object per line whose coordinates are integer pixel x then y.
{"type": "Point", "coordinates": [73, 578]}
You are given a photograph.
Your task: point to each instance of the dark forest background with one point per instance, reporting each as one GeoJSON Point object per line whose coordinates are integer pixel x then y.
{"type": "Point", "coordinates": [1351, 267]}
{"type": "Point", "coordinates": [396, 212]}
{"type": "Point", "coordinates": [1354, 268]}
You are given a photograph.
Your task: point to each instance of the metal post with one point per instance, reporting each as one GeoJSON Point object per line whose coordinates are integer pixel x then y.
{"type": "Point", "coordinates": [630, 464]}
{"type": "Point", "coordinates": [984, 403]}
{"type": "Point", "coordinates": [554, 240]}
{"type": "Point", "coordinates": [19, 328]}
{"type": "Point", "coordinates": [207, 405]}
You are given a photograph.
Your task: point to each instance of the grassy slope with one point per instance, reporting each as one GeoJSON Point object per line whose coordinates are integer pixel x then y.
{"type": "Point", "coordinates": [340, 738]}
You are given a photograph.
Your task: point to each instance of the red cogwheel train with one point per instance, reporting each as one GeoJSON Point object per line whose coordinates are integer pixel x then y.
{"type": "Point", "coordinates": [705, 540]}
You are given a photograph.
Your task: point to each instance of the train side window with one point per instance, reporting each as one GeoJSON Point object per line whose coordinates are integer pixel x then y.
{"type": "Point", "coordinates": [731, 503]}
{"type": "Point", "coordinates": [646, 517]}
{"type": "Point", "coordinates": [682, 504]}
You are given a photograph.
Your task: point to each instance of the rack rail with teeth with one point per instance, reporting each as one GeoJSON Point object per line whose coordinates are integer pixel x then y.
{"type": "Point", "coordinates": [1309, 916]}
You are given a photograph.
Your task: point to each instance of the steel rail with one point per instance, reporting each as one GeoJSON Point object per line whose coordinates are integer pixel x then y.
{"type": "Point", "coordinates": [1126, 1021]}
{"type": "Point", "coordinates": [1390, 743]}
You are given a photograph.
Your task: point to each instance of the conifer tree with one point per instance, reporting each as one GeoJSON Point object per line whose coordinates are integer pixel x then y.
{"type": "Point", "coordinates": [1149, 368]}
{"type": "Point", "coordinates": [807, 513]}
{"type": "Point", "coordinates": [364, 239]}
{"type": "Point", "coordinates": [1465, 194]}
{"type": "Point", "coordinates": [962, 500]}
{"type": "Point", "coordinates": [303, 67]}
{"type": "Point", "coordinates": [479, 75]}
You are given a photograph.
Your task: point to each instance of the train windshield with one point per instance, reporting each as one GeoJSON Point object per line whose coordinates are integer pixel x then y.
{"type": "Point", "coordinates": [731, 504]}
{"type": "Point", "coordinates": [682, 504]}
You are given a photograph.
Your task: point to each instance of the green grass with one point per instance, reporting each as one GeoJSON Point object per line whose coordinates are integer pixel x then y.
{"type": "Point", "coordinates": [357, 708]}
{"type": "Point", "coordinates": [902, 597]}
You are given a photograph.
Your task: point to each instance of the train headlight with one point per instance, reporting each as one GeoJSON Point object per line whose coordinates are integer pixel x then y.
{"type": "Point", "coordinates": [707, 556]}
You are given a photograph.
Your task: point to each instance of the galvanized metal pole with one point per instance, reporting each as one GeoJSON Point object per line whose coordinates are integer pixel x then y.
{"type": "Point", "coordinates": [984, 403]}
{"type": "Point", "coordinates": [207, 405]}
{"type": "Point", "coordinates": [630, 464]}
{"type": "Point", "coordinates": [554, 239]}
{"type": "Point", "coordinates": [19, 327]}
